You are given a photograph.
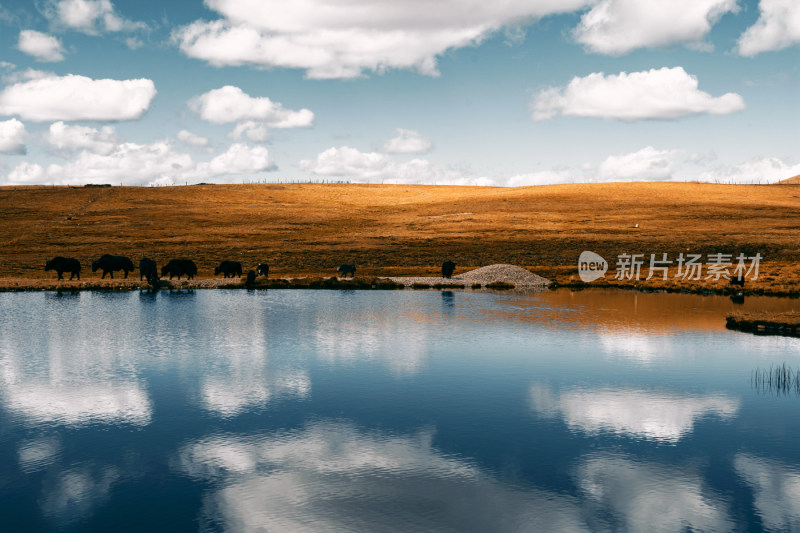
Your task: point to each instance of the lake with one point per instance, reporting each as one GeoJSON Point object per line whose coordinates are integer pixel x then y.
{"type": "Point", "coordinates": [378, 411]}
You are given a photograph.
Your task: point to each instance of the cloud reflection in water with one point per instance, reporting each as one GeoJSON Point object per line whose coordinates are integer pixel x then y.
{"type": "Point", "coordinates": [334, 477]}
{"type": "Point", "coordinates": [75, 493]}
{"type": "Point", "coordinates": [66, 378]}
{"type": "Point", "coordinates": [38, 453]}
{"type": "Point", "coordinates": [650, 497]}
{"type": "Point", "coordinates": [237, 372]}
{"type": "Point", "coordinates": [403, 348]}
{"type": "Point", "coordinates": [776, 488]}
{"type": "Point", "coordinates": [660, 416]}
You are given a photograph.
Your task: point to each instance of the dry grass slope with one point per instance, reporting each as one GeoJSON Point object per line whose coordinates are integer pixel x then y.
{"type": "Point", "coordinates": [398, 230]}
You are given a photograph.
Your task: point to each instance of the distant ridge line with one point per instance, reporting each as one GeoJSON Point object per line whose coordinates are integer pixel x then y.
{"type": "Point", "coordinates": [794, 180]}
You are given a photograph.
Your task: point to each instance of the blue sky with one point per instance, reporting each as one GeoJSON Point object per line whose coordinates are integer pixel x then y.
{"type": "Point", "coordinates": [521, 92]}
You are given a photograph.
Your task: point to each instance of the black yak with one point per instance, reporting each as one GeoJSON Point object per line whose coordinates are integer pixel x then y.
{"type": "Point", "coordinates": [149, 271]}
{"type": "Point", "coordinates": [263, 270]}
{"type": "Point", "coordinates": [229, 268]}
{"type": "Point", "coordinates": [64, 264]}
{"type": "Point", "coordinates": [111, 263]}
{"type": "Point", "coordinates": [179, 267]}
{"type": "Point", "coordinates": [344, 270]}
{"type": "Point", "coordinates": [448, 267]}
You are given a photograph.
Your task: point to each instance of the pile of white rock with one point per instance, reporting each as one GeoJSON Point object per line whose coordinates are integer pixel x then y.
{"type": "Point", "coordinates": [517, 276]}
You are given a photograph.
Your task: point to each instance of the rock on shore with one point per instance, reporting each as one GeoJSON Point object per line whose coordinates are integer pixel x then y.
{"type": "Point", "coordinates": [517, 276]}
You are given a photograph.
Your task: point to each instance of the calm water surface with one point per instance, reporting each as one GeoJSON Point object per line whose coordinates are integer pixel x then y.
{"type": "Point", "coordinates": [391, 411]}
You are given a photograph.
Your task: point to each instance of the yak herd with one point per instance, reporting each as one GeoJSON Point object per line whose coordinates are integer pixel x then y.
{"type": "Point", "coordinates": [179, 267]}
{"type": "Point", "coordinates": [147, 268]}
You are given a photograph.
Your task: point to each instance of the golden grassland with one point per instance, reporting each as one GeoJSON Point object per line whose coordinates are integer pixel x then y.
{"type": "Point", "coordinates": [310, 229]}
{"type": "Point", "coordinates": [766, 322]}
{"type": "Point", "coordinates": [770, 317]}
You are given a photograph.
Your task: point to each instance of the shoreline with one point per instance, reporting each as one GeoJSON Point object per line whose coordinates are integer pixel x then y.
{"type": "Point", "coordinates": [765, 323]}
{"type": "Point", "coordinates": [370, 283]}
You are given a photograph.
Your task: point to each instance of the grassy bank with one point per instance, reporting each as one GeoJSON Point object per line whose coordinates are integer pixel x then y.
{"type": "Point", "coordinates": [307, 230]}
{"type": "Point", "coordinates": [108, 285]}
{"type": "Point", "coordinates": [765, 322]}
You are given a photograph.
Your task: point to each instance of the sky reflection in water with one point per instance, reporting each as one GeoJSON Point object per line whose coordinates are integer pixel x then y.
{"type": "Point", "coordinates": [401, 411]}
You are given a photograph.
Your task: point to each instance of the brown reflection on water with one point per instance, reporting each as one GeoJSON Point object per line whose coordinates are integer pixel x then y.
{"type": "Point", "coordinates": [615, 310]}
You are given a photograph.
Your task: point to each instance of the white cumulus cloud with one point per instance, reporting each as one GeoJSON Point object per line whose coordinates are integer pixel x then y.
{"type": "Point", "coordinates": [352, 163]}
{"type": "Point", "coordinates": [68, 139]}
{"type": "Point", "coordinates": [239, 159]}
{"type": "Point", "coordinates": [648, 164]}
{"type": "Point", "coordinates": [255, 131]}
{"type": "Point", "coordinates": [617, 27]}
{"type": "Point", "coordinates": [133, 43]}
{"type": "Point", "coordinates": [16, 76]}
{"type": "Point", "coordinates": [72, 97]}
{"type": "Point", "coordinates": [777, 27]}
{"type": "Point", "coordinates": [12, 137]}
{"type": "Point", "coordinates": [40, 45]}
{"type": "Point", "coordinates": [756, 170]}
{"type": "Point", "coordinates": [406, 142]}
{"type": "Point", "coordinates": [349, 162]}
{"type": "Point", "coordinates": [97, 156]}
{"type": "Point", "coordinates": [128, 163]}
{"type": "Point", "coordinates": [90, 16]}
{"type": "Point", "coordinates": [542, 177]}
{"type": "Point", "coordinates": [231, 104]}
{"type": "Point", "coordinates": [335, 39]}
{"type": "Point", "coordinates": [26, 174]}
{"type": "Point", "coordinates": [192, 139]}
{"type": "Point", "coordinates": [664, 94]}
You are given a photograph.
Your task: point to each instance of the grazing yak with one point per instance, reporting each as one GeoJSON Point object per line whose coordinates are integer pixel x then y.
{"type": "Point", "coordinates": [344, 270]}
{"type": "Point", "coordinates": [739, 280]}
{"type": "Point", "coordinates": [263, 270]}
{"type": "Point", "coordinates": [64, 264]}
{"type": "Point", "coordinates": [448, 267]}
{"type": "Point", "coordinates": [229, 268]}
{"type": "Point", "coordinates": [180, 267]}
{"type": "Point", "coordinates": [111, 263]}
{"type": "Point", "coordinates": [149, 271]}
{"type": "Point", "coordinates": [251, 279]}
